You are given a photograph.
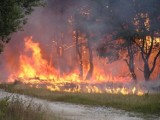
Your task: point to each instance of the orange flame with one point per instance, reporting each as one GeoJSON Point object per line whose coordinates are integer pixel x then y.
{"type": "Point", "coordinates": [34, 65]}
{"type": "Point", "coordinates": [36, 71]}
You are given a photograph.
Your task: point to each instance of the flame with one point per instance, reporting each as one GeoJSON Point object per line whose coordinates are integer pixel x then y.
{"type": "Point", "coordinates": [35, 71]}
{"type": "Point", "coordinates": [34, 65]}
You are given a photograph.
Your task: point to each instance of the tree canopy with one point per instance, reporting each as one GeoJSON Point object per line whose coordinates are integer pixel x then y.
{"type": "Point", "coordinates": [137, 23]}
{"type": "Point", "coordinates": [13, 17]}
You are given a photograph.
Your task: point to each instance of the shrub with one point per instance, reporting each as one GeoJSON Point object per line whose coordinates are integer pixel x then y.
{"type": "Point", "coordinates": [14, 108]}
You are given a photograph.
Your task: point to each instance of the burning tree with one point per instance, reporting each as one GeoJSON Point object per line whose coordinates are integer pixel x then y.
{"type": "Point", "coordinates": [13, 17]}
{"type": "Point", "coordinates": [147, 22]}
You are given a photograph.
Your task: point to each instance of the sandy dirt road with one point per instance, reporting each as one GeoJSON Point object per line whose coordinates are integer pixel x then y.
{"type": "Point", "coordinates": [81, 112]}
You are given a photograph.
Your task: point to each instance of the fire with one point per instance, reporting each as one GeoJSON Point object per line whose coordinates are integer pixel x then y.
{"type": "Point", "coordinates": [34, 66]}
{"type": "Point", "coordinates": [37, 72]}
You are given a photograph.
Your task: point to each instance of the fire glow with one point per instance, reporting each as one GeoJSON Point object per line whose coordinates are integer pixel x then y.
{"type": "Point", "coordinates": [35, 71]}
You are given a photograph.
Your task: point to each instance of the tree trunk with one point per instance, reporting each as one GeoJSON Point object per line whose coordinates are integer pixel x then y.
{"type": "Point", "coordinates": [147, 72]}
{"type": "Point", "coordinates": [131, 62]}
{"type": "Point", "coordinates": [80, 56]}
{"type": "Point", "coordinates": [146, 52]}
{"type": "Point", "coordinates": [132, 71]}
{"type": "Point", "coordinates": [90, 72]}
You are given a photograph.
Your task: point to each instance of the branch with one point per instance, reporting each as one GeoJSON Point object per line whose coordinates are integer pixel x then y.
{"type": "Point", "coordinates": [126, 61]}
{"type": "Point", "coordinates": [140, 69]}
{"type": "Point", "coordinates": [141, 48]}
{"type": "Point", "coordinates": [68, 47]}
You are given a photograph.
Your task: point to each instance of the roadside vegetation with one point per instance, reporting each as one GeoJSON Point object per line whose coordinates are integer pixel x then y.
{"type": "Point", "coordinates": [14, 108]}
{"type": "Point", "coordinates": [147, 104]}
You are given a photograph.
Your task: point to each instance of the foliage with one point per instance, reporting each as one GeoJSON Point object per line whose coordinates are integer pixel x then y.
{"type": "Point", "coordinates": [3, 106]}
{"type": "Point", "coordinates": [13, 17]}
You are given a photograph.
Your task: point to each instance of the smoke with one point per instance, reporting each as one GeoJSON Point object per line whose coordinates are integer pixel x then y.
{"type": "Point", "coordinates": [55, 22]}
{"type": "Point", "coordinates": [45, 25]}
{"type": "Point", "coordinates": [49, 23]}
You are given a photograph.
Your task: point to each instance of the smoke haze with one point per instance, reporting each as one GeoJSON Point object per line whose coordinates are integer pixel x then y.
{"type": "Point", "coordinates": [54, 22]}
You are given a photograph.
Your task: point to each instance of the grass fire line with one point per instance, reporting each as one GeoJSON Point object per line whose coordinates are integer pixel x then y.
{"type": "Point", "coordinates": [148, 103]}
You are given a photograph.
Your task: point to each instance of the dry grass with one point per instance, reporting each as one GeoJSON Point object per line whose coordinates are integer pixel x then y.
{"type": "Point", "coordinates": [14, 108]}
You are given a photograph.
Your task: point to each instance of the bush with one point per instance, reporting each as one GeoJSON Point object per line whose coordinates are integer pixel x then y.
{"type": "Point", "coordinates": [16, 109]}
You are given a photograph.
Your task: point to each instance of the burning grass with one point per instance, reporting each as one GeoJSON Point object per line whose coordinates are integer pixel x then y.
{"type": "Point", "coordinates": [148, 103]}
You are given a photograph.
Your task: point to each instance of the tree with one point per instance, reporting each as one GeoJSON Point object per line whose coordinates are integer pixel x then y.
{"type": "Point", "coordinates": [13, 17]}
{"type": "Point", "coordinates": [148, 28]}
{"type": "Point", "coordinates": [134, 22]}
{"type": "Point", "coordinates": [122, 31]}
{"type": "Point", "coordinates": [90, 23]}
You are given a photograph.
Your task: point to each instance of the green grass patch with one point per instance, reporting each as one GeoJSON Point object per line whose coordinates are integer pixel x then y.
{"type": "Point", "coordinates": [148, 103]}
